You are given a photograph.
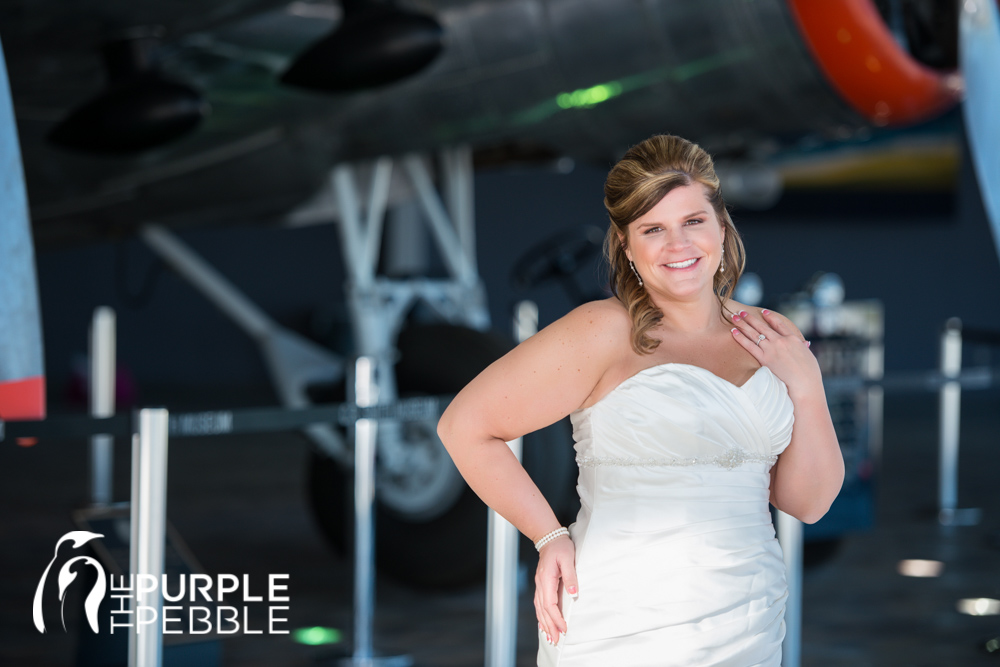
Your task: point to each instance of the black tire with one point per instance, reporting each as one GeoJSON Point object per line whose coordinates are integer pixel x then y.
{"type": "Point", "coordinates": [450, 549]}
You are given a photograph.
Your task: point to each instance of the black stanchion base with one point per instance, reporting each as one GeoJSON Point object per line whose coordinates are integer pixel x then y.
{"type": "Point", "coordinates": [343, 656]}
{"type": "Point", "coordinates": [377, 661]}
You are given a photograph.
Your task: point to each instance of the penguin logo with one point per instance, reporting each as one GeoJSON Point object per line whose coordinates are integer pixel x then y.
{"type": "Point", "coordinates": [66, 577]}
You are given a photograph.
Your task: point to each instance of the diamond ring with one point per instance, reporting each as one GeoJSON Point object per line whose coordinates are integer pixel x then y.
{"type": "Point", "coordinates": [760, 338]}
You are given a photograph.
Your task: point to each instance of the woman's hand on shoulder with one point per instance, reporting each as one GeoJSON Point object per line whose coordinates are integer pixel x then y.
{"type": "Point", "coordinates": [544, 378]}
{"type": "Point", "coordinates": [783, 348]}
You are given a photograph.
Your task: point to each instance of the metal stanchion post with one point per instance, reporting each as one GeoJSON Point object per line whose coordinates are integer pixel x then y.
{"type": "Point", "coordinates": [790, 537]}
{"type": "Point", "coordinates": [365, 433]}
{"type": "Point", "coordinates": [501, 587]}
{"type": "Point", "coordinates": [365, 437]}
{"type": "Point", "coordinates": [949, 427]}
{"type": "Point", "coordinates": [148, 537]}
{"type": "Point", "coordinates": [948, 423]}
{"type": "Point", "coordinates": [501, 565]}
{"type": "Point", "coordinates": [102, 403]}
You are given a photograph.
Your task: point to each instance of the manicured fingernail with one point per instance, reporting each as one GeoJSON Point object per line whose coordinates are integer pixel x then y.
{"type": "Point", "coordinates": [765, 311]}
{"type": "Point", "coordinates": [735, 330]}
{"type": "Point", "coordinates": [743, 313]}
{"type": "Point", "coordinates": [736, 317]}
{"type": "Point", "coordinates": [808, 343]}
{"type": "Point", "coordinates": [571, 590]}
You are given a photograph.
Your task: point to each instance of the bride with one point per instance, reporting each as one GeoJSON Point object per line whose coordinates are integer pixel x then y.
{"type": "Point", "coordinates": [690, 413]}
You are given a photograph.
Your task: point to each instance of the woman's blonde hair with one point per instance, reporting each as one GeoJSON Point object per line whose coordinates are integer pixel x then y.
{"type": "Point", "coordinates": [643, 177]}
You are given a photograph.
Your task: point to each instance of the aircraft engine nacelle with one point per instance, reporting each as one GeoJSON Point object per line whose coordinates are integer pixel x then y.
{"type": "Point", "coordinates": [588, 78]}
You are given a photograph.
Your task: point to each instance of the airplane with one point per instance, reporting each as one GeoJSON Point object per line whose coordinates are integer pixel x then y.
{"type": "Point", "coordinates": [257, 129]}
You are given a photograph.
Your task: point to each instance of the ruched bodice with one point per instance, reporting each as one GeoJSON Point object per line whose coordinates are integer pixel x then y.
{"type": "Point", "coordinates": [676, 555]}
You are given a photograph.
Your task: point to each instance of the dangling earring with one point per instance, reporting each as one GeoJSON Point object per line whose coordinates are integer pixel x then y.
{"type": "Point", "coordinates": [722, 260]}
{"type": "Point", "coordinates": [637, 276]}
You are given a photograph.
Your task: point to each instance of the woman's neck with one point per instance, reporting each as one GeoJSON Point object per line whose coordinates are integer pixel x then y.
{"type": "Point", "coordinates": [696, 316]}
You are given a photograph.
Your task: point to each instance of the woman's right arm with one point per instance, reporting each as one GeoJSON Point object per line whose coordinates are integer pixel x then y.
{"type": "Point", "coordinates": [539, 382]}
{"type": "Point", "coordinates": [542, 380]}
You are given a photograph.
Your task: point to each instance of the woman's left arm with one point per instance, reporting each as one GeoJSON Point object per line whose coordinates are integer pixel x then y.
{"type": "Point", "coordinates": [809, 473]}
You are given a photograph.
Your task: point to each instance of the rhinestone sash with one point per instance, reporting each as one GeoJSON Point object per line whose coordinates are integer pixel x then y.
{"type": "Point", "coordinates": [733, 458]}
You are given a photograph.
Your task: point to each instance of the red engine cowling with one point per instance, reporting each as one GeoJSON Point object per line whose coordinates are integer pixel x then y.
{"type": "Point", "coordinates": [866, 65]}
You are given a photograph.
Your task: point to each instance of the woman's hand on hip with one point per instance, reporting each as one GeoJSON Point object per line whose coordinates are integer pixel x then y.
{"type": "Point", "coordinates": [556, 570]}
{"type": "Point", "coordinates": [778, 344]}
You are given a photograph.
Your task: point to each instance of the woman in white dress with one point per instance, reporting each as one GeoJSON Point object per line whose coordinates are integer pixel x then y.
{"type": "Point", "coordinates": [690, 411]}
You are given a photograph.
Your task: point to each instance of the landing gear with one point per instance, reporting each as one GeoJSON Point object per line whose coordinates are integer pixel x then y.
{"type": "Point", "coordinates": [430, 527]}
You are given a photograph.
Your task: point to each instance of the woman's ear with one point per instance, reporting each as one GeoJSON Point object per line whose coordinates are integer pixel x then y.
{"type": "Point", "coordinates": [624, 244]}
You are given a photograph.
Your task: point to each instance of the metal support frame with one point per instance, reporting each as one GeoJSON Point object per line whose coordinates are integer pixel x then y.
{"type": "Point", "coordinates": [790, 538]}
{"type": "Point", "coordinates": [147, 535]}
{"type": "Point", "coordinates": [293, 361]}
{"type": "Point", "coordinates": [501, 563]}
{"type": "Point", "coordinates": [378, 305]}
{"type": "Point", "coordinates": [102, 404]}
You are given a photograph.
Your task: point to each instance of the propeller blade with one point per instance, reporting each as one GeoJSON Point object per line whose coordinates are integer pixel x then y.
{"type": "Point", "coordinates": [979, 53]}
{"type": "Point", "coordinates": [22, 378]}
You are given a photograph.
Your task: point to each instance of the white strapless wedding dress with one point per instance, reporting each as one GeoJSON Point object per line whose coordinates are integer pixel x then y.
{"type": "Point", "coordinates": [676, 555]}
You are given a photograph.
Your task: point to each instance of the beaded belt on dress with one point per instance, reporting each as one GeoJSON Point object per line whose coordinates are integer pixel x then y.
{"type": "Point", "coordinates": [733, 458]}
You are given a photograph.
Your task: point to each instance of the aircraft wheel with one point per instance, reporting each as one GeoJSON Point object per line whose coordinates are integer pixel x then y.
{"type": "Point", "coordinates": [430, 528]}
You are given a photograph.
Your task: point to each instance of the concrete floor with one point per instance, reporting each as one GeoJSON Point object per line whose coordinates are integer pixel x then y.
{"type": "Point", "coordinates": [239, 504]}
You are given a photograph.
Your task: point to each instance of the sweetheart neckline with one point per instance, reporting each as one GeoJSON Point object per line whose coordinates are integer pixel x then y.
{"type": "Point", "coordinates": [673, 363]}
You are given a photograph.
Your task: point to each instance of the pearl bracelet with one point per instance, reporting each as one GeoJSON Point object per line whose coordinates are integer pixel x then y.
{"type": "Point", "coordinates": [548, 537]}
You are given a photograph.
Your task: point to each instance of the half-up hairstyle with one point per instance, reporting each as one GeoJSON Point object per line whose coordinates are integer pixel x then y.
{"type": "Point", "coordinates": [643, 177]}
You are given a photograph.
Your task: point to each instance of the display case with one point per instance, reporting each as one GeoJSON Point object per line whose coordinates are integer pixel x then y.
{"type": "Point", "coordinates": [847, 339]}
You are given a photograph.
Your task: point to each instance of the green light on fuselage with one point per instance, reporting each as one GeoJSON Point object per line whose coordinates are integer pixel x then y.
{"type": "Point", "coordinates": [588, 97]}
{"type": "Point", "coordinates": [316, 636]}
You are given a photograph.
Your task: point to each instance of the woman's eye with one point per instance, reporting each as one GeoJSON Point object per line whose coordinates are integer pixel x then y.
{"type": "Point", "coordinates": [694, 221]}
{"type": "Point", "coordinates": [651, 230]}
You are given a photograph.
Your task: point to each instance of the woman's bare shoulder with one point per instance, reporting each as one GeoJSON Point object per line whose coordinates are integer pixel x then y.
{"type": "Point", "coordinates": [603, 324]}
{"type": "Point", "coordinates": [603, 312]}
{"type": "Point", "coordinates": [546, 377]}
{"type": "Point", "coordinates": [592, 336]}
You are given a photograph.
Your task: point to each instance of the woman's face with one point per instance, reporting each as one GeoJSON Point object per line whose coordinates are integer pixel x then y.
{"type": "Point", "coordinates": [677, 245]}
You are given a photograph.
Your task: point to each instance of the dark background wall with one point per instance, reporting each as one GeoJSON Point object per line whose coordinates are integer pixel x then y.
{"type": "Point", "coordinates": [927, 257]}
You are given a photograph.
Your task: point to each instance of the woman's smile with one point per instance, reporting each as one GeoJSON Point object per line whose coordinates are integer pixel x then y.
{"type": "Point", "coordinates": [686, 264]}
